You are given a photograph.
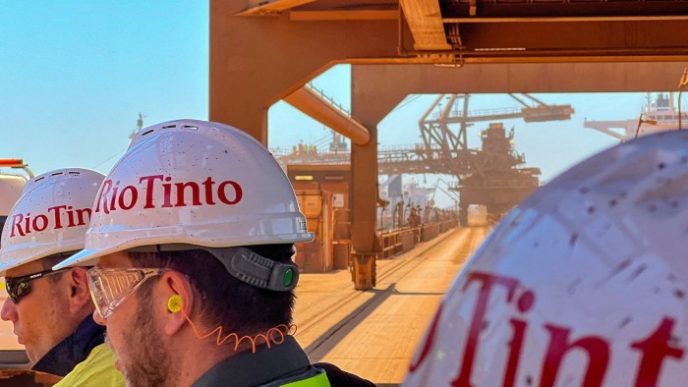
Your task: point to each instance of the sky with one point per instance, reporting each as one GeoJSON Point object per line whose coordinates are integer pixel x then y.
{"type": "Point", "coordinates": [75, 74]}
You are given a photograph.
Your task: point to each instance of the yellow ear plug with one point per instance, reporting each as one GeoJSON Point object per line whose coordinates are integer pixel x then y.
{"type": "Point", "coordinates": [174, 303]}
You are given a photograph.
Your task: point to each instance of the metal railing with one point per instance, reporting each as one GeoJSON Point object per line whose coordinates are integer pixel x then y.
{"type": "Point", "coordinates": [329, 99]}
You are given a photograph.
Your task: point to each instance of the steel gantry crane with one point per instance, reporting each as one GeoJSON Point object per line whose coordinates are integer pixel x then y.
{"type": "Point", "coordinates": [492, 175]}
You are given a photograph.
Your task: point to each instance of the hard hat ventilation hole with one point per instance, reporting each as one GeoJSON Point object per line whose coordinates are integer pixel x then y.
{"type": "Point", "coordinates": [56, 174]}
{"type": "Point", "coordinates": [661, 166]}
{"type": "Point", "coordinates": [40, 178]}
{"type": "Point", "coordinates": [147, 132]}
{"type": "Point", "coordinates": [625, 322]}
{"type": "Point", "coordinates": [74, 173]}
{"type": "Point", "coordinates": [191, 127]}
{"type": "Point", "coordinates": [169, 126]}
{"type": "Point", "coordinates": [591, 210]}
{"type": "Point", "coordinates": [638, 271]}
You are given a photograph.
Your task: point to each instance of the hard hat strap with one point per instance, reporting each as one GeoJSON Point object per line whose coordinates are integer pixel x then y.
{"type": "Point", "coordinates": [256, 270]}
{"type": "Point", "coordinates": [244, 265]}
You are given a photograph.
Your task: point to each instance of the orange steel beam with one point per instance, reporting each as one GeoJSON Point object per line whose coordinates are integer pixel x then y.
{"type": "Point", "coordinates": [257, 61]}
{"type": "Point", "coordinates": [245, 53]}
{"type": "Point", "coordinates": [592, 38]}
{"type": "Point", "coordinates": [342, 15]}
{"type": "Point", "coordinates": [516, 78]}
{"type": "Point", "coordinates": [564, 19]}
{"type": "Point", "coordinates": [425, 21]}
{"type": "Point", "coordinates": [554, 8]}
{"type": "Point", "coordinates": [273, 7]}
{"type": "Point", "coordinates": [320, 110]}
{"type": "Point", "coordinates": [369, 106]}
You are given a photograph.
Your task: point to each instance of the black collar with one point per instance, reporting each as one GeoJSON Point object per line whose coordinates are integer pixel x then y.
{"type": "Point", "coordinates": [63, 357]}
{"type": "Point", "coordinates": [251, 369]}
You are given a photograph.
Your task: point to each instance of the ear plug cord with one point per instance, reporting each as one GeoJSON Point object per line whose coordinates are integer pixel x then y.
{"type": "Point", "coordinates": [274, 335]}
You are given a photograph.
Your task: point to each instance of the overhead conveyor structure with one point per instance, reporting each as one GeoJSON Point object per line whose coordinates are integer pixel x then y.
{"type": "Point", "coordinates": [263, 51]}
{"type": "Point", "coordinates": [494, 175]}
{"type": "Point", "coordinates": [314, 105]}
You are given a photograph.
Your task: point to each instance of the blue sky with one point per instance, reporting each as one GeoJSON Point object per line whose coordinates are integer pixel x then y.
{"type": "Point", "coordinates": [75, 74]}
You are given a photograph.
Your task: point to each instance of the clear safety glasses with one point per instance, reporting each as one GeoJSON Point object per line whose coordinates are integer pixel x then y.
{"type": "Point", "coordinates": [110, 287]}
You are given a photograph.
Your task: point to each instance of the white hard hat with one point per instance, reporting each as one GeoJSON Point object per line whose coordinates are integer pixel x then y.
{"type": "Point", "coordinates": [193, 183]}
{"type": "Point", "coordinates": [584, 284]}
{"type": "Point", "coordinates": [50, 217]}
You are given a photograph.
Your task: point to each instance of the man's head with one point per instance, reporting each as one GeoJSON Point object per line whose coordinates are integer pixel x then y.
{"type": "Point", "coordinates": [47, 224]}
{"type": "Point", "coordinates": [583, 284]}
{"type": "Point", "coordinates": [45, 306]}
{"type": "Point", "coordinates": [170, 220]}
{"type": "Point", "coordinates": [210, 297]}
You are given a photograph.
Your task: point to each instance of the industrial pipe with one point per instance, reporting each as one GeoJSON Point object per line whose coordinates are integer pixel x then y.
{"type": "Point", "coordinates": [321, 110]}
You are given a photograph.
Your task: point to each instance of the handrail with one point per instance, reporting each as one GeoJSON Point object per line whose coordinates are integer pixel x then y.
{"type": "Point", "coordinates": [329, 99]}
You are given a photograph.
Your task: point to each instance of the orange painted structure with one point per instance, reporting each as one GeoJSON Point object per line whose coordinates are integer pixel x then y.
{"type": "Point", "coordinates": [316, 256]}
{"type": "Point", "coordinates": [323, 194]}
{"type": "Point", "coordinates": [262, 53]}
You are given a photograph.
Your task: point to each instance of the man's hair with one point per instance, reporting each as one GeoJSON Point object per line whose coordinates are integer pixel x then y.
{"type": "Point", "coordinates": [224, 300]}
{"type": "Point", "coordinates": [48, 262]}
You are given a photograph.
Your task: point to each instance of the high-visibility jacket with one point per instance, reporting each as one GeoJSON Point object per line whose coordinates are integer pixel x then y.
{"type": "Point", "coordinates": [98, 369]}
{"type": "Point", "coordinates": [282, 365]}
{"type": "Point", "coordinates": [317, 380]}
{"type": "Point", "coordinates": [82, 359]}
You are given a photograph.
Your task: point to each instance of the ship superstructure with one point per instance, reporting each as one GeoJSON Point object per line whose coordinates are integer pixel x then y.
{"type": "Point", "coordinates": [658, 115]}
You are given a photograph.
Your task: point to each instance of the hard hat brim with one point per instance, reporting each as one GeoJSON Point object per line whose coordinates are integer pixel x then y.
{"type": "Point", "coordinates": [90, 256]}
{"type": "Point", "coordinates": [10, 265]}
{"type": "Point", "coordinates": [85, 257]}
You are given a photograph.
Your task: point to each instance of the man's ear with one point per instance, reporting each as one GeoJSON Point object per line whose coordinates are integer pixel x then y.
{"type": "Point", "coordinates": [178, 299]}
{"type": "Point", "coordinates": [79, 295]}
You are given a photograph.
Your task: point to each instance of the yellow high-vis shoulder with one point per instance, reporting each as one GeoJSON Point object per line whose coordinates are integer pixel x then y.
{"type": "Point", "coordinates": [97, 370]}
{"type": "Point", "coordinates": [319, 380]}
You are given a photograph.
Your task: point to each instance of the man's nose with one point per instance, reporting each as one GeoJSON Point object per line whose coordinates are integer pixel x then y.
{"type": "Point", "coordinates": [9, 310]}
